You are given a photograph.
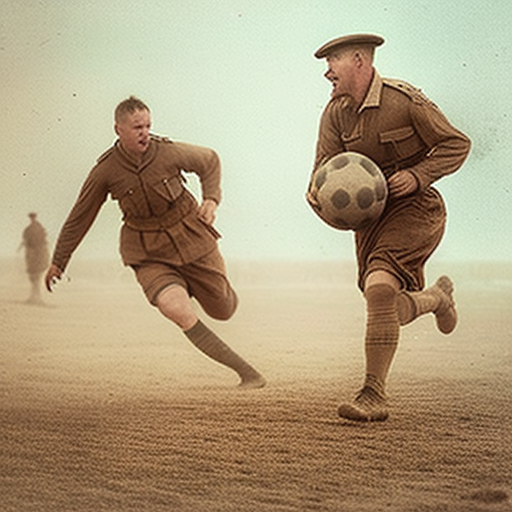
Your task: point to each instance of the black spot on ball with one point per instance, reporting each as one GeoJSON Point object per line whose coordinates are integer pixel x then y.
{"type": "Point", "coordinates": [365, 198]}
{"type": "Point", "coordinates": [340, 199]}
{"type": "Point", "coordinates": [369, 167]}
{"type": "Point", "coordinates": [320, 179]}
{"type": "Point", "coordinates": [380, 190]}
{"type": "Point", "coordinates": [340, 161]}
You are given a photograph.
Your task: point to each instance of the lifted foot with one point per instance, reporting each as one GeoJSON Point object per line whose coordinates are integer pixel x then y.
{"type": "Point", "coordinates": [446, 314]}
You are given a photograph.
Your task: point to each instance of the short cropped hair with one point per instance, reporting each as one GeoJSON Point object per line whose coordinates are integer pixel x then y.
{"type": "Point", "coordinates": [129, 106]}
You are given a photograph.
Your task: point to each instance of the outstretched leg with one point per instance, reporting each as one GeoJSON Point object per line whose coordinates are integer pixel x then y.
{"type": "Point", "coordinates": [211, 345]}
{"type": "Point", "coordinates": [174, 303]}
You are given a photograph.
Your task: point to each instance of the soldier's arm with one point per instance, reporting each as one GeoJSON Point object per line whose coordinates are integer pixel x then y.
{"type": "Point", "coordinates": [93, 194]}
{"type": "Point", "coordinates": [205, 163]}
{"type": "Point", "coordinates": [448, 146]}
{"type": "Point", "coordinates": [329, 140]}
{"type": "Point", "coordinates": [328, 143]}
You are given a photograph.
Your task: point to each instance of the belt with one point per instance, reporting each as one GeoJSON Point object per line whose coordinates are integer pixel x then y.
{"type": "Point", "coordinates": [178, 209]}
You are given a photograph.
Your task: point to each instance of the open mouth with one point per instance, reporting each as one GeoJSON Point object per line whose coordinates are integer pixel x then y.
{"type": "Point", "coordinates": [331, 77]}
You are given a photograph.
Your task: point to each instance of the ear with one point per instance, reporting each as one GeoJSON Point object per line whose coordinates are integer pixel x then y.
{"type": "Point", "coordinates": [358, 59]}
{"type": "Point", "coordinates": [116, 128]}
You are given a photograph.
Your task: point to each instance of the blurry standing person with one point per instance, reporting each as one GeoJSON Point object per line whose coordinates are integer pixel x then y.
{"type": "Point", "coordinates": [167, 238]}
{"type": "Point", "coordinates": [37, 256]}
{"type": "Point", "coordinates": [409, 138]}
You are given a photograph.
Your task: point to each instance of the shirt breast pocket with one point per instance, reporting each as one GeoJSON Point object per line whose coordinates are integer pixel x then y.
{"type": "Point", "coordinates": [168, 187]}
{"type": "Point", "coordinates": [404, 142]}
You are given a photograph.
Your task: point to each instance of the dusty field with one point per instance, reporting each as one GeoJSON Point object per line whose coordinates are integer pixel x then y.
{"type": "Point", "coordinates": [105, 406]}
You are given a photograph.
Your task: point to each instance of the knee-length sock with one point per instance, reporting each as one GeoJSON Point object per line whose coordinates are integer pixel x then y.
{"type": "Point", "coordinates": [382, 330]}
{"type": "Point", "coordinates": [211, 345]}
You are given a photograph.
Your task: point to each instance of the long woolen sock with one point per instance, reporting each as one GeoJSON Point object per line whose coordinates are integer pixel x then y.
{"type": "Point", "coordinates": [382, 330]}
{"type": "Point", "coordinates": [211, 345]}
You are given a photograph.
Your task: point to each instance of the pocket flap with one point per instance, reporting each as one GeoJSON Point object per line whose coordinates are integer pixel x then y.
{"type": "Point", "coordinates": [169, 187]}
{"type": "Point", "coordinates": [396, 135]}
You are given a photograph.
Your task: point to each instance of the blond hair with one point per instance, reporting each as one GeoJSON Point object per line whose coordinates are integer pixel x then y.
{"type": "Point", "coordinates": [129, 106]}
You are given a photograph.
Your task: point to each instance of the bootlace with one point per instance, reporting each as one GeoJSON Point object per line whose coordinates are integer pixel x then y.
{"type": "Point", "coordinates": [370, 396]}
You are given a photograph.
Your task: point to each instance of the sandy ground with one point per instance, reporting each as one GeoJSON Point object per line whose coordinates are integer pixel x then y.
{"type": "Point", "coordinates": [105, 406]}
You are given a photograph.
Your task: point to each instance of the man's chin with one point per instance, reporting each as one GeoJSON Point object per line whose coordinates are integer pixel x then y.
{"type": "Point", "coordinates": [336, 92]}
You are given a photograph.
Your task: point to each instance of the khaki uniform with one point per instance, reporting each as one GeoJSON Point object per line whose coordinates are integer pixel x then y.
{"type": "Point", "coordinates": [398, 128]}
{"type": "Point", "coordinates": [162, 237]}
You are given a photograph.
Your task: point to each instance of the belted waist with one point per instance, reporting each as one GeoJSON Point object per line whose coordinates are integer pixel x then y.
{"type": "Point", "coordinates": [178, 209]}
{"type": "Point", "coordinates": [389, 168]}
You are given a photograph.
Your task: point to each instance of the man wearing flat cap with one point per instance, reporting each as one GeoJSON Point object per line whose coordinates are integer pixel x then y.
{"type": "Point", "coordinates": [409, 138]}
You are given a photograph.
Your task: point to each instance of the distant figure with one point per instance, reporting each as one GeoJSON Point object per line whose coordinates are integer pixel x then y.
{"type": "Point", "coordinates": [37, 257]}
{"type": "Point", "coordinates": [167, 237]}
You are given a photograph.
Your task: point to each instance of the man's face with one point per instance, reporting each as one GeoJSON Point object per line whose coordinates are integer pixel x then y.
{"type": "Point", "coordinates": [340, 72]}
{"type": "Point", "coordinates": [133, 131]}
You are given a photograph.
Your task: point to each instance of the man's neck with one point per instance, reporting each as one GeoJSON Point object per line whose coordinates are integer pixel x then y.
{"type": "Point", "coordinates": [135, 157]}
{"type": "Point", "coordinates": [363, 85]}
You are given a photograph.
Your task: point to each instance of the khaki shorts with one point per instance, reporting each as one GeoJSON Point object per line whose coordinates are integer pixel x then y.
{"type": "Point", "coordinates": [400, 243]}
{"type": "Point", "coordinates": [205, 279]}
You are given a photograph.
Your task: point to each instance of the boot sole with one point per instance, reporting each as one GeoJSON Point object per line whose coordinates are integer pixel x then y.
{"type": "Point", "coordinates": [350, 412]}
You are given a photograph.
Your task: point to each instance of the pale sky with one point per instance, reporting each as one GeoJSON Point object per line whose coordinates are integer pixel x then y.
{"type": "Point", "coordinates": [239, 76]}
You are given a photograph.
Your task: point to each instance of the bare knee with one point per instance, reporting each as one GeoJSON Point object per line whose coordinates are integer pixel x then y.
{"type": "Point", "coordinates": [174, 303]}
{"type": "Point", "coordinates": [382, 277]}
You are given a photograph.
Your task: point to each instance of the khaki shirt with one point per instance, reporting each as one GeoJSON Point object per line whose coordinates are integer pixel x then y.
{"type": "Point", "coordinates": [399, 128]}
{"type": "Point", "coordinates": [159, 214]}
{"type": "Point", "coordinates": [396, 126]}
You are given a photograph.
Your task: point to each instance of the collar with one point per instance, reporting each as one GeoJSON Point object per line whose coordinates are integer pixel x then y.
{"type": "Point", "coordinates": [146, 157]}
{"type": "Point", "coordinates": [372, 98]}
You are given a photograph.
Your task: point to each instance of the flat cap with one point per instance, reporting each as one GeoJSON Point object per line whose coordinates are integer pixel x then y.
{"type": "Point", "coordinates": [353, 39]}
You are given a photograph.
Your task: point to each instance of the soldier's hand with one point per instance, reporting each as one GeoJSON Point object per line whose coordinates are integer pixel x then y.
{"type": "Point", "coordinates": [207, 211]}
{"type": "Point", "coordinates": [402, 183]}
{"type": "Point", "coordinates": [53, 275]}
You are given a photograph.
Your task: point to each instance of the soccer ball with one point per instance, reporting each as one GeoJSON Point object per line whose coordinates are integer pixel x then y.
{"type": "Point", "coordinates": [350, 191]}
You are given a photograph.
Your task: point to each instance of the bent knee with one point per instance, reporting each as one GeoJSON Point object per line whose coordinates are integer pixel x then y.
{"type": "Point", "coordinates": [222, 308]}
{"type": "Point", "coordinates": [223, 315]}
